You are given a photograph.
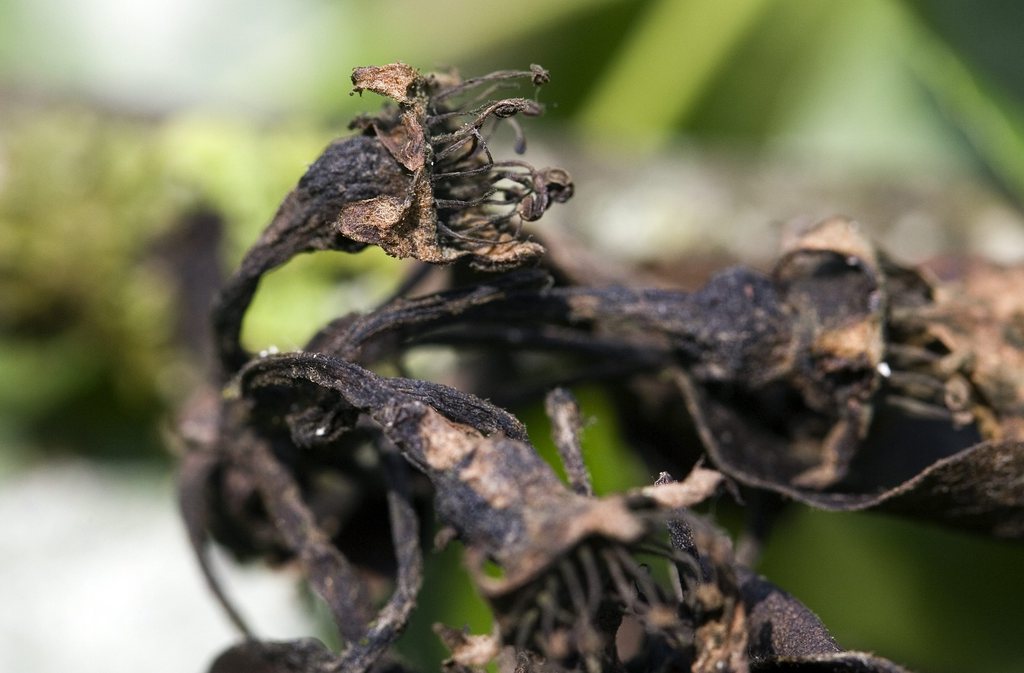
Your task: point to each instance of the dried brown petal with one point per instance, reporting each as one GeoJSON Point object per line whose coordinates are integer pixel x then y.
{"type": "Point", "coordinates": [403, 226]}
{"type": "Point", "coordinates": [397, 81]}
{"type": "Point", "coordinates": [698, 486]}
{"type": "Point", "coordinates": [468, 650]}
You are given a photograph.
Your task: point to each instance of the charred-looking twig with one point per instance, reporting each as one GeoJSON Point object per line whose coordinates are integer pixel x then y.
{"type": "Point", "coordinates": [329, 572]}
{"type": "Point", "coordinates": [362, 654]}
{"type": "Point", "coordinates": [418, 182]}
{"type": "Point", "coordinates": [381, 333]}
{"type": "Point", "coordinates": [194, 478]}
{"type": "Point", "coordinates": [566, 426]}
{"type": "Point", "coordinates": [513, 312]}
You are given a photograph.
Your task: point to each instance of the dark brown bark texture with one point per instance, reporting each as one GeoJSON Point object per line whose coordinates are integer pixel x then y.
{"type": "Point", "coordinates": [841, 379]}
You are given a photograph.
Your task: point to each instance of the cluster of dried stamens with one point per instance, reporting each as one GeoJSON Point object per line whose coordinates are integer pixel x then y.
{"type": "Point", "coordinates": [444, 125]}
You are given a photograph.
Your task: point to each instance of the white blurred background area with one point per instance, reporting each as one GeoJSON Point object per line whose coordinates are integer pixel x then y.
{"type": "Point", "coordinates": [97, 578]}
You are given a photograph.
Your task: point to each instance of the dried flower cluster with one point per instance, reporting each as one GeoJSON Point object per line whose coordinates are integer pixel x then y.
{"type": "Point", "coordinates": [841, 379]}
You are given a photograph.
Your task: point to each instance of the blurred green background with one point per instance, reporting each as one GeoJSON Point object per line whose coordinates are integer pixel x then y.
{"type": "Point", "coordinates": [144, 145]}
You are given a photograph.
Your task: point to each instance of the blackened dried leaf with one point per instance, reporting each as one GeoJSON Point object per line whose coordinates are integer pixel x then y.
{"type": "Point", "coordinates": [307, 655]}
{"type": "Point", "coordinates": [780, 633]}
{"type": "Point", "coordinates": [829, 361]}
{"type": "Point", "coordinates": [979, 488]}
{"type": "Point", "coordinates": [860, 343]}
{"type": "Point", "coordinates": [349, 170]}
{"type": "Point", "coordinates": [781, 626]}
{"type": "Point", "coordinates": [553, 546]}
{"type": "Point", "coordinates": [439, 429]}
{"type": "Point", "coordinates": [365, 391]}
{"type": "Point", "coordinates": [841, 662]}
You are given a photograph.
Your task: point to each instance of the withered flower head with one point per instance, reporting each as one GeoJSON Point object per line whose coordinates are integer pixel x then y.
{"type": "Point", "coordinates": [594, 565]}
{"type": "Point", "coordinates": [419, 181]}
{"type": "Point", "coordinates": [458, 201]}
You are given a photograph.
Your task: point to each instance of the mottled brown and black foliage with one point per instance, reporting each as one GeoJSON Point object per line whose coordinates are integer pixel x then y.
{"type": "Point", "coordinates": [841, 379]}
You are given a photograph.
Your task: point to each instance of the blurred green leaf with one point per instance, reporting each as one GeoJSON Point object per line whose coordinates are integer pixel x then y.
{"type": "Point", "coordinates": [669, 60]}
{"type": "Point", "coordinates": [991, 121]}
